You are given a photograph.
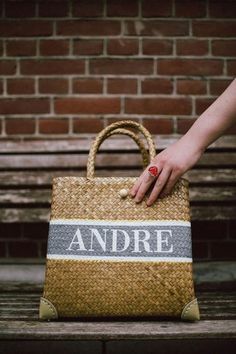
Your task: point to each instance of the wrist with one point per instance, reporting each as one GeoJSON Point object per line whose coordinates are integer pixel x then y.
{"type": "Point", "coordinates": [193, 142]}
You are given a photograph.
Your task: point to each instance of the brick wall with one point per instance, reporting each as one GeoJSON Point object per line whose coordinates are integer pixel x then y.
{"type": "Point", "coordinates": [71, 68]}
{"type": "Point", "coordinates": [212, 241]}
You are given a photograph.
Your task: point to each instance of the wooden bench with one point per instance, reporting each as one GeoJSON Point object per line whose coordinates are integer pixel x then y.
{"type": "Point", "coordinates": [21, 332]}
{"type": "Point", "coordinates": [26, 173]}
{"type": "Point", "coordinates": [27, 168]}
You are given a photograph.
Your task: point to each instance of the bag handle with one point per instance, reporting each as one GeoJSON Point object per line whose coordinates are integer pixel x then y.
{"type": "Point", "coordinates": [106, 132]}
{"type": "Point", "coordinates": [137, 140]}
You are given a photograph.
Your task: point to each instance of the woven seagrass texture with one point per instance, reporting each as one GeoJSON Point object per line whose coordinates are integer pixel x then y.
{"type": "Point", "coordinates": [104, 288]}
{"type": "Point", "coordinates": [99, 198]}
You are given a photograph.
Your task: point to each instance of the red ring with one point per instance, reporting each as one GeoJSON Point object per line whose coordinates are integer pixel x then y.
{"type": "Point", "coordinates": [153, 170]}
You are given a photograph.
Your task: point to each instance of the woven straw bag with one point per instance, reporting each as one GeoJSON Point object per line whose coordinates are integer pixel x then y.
{"type": "Point", "coordinates": [108, 256]}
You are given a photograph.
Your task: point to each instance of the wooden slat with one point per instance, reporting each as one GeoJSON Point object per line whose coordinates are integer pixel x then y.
{"type": "Point", "coordinates": [32, 214]}
{"type": "Point", "coordinates": [19, 319]}
{"type": "Point", "coordinates": [113, 143]}
{"type": "Point", "coordinates": [208, 193]}
{"type": "Point", "coordinates": [44, 178]}
{"type": "Point", "coordinates": [15, 308]}
{"type": "Point", "coordinates": [43, 196]}
{"type": "Point", "coordinates": [213, 212]}
{"type": "Point", "coordinates": [24, 215]}
{"type": "Point", "coordinates": [208, 176]}
{"type": "Point", "coordinates": [211, 180]}
{"type": "Point", "coordinates": [80, 330]}
{"type": "Point", "coordinates": [102, 160]}
{"type": "Point", "coordinates": [24, 306]}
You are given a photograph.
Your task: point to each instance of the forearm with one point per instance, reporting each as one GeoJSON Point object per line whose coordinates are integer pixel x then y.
{"type": "Point", "coordinates": [215, 120]}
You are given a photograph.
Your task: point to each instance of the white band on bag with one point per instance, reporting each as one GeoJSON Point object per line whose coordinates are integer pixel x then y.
{"type": "Point", "coordinates": [164, 240]}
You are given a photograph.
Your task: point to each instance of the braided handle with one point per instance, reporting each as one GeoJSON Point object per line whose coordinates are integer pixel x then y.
{"type": "Point", "coordinates": [106, 132]}
{"type": "Point", "coordinates": [137, 140]}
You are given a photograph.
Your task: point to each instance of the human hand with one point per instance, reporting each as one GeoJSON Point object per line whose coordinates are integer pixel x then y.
{"type": "Point", "coordinates": [172, 163]}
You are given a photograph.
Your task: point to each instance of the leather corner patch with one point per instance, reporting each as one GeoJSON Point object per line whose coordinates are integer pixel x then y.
{"type": "Point", "coordinates": [47, 310]}
{"type": "Point", "coordinates": [191, 311]}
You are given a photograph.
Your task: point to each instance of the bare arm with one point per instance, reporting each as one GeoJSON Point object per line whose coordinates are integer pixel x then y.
{"type": "Point", "coordinates": [180, 156]}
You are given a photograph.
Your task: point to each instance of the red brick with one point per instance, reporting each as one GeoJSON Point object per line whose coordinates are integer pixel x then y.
{"type": "Point", "coordinates": [54, 47]}
{"type": "Point", "coordinates": [122, 46]}
{"type": "Point", "coordinates": [190, 66]}
{"type": "Point", "coordinates": [85, 8]}
{"type": "Point", "coordinates": [219, 8]}
{"type": "Point", "coordinates": [21, 48]}
{"type": "Point", "coordinates": [53, 85]}
{"type": "Point", "coordinates": [231, 67]}
{"type": "Point", "coordinates": [1, 86]}
{"type": "Point", "coordinates": [88, 85]}
{"type": "Point", "coordinates": [20, 86]}
{"type": "Point", "coordinates": [156, 86]}
{"type": "Point", "coordinates": [202, 104]}
{"type": "Point", "coordinates": [191, 47]}
{"type": "Point", "coordinates": [87, 125]}
{"type": "Point", "coordinates": [160, 8]}
{"type": "Point", "coordinates": [88, 28]}
{"type": "Point", "coordinates": [193, 8]}
{"type": "Point", "coordinates": [200, 251]}
{"type": "Point", "coordinates": [52, 66]}
{"type": "Point", "coordinates": [23, 249]}
{"type": "Point", "coordinates": [159, 126]}
{"type": "Point", "coordinates": [121, 85]}
{"type": "Point", "coordinates": [36, 230]}
{"type": "Point", "coordinates": [223, 250]}
{"type": "Point", "coordinates": [194, 87]}
{"type": "Point", "coordinates": [158, 105]}
{"type": "Point", "coordinates": [231, 130]}
{"type": "Point", "coordinates": [209, 230]}
{"type": "Point", "coordinates": [20, 126]}
{"type": "Point", "coordinates": [183, 124]}
{"type": "Point", "coordinates": [53, 126]}
{"type": "Point", "coordinates": [232, 229]}
{"type": "Point", "coordinates": [1, 47]}
{"type": "Point", "coordinates": [88, 47]}
{"type": "Point", "coordinates": [122, 8]}
{"type": "Point", "coordinates": [157, 28]}
{"type": "Point", "coordinates": [100, 105]}
{"type": "Point", "coordinates": [157, 47]}
{"type": "Point", "coordinates": [121, 66]}
{"type": "Point", "coordinates": [43, 249]}
{"type": "Point", "coordinates": [214, 28]}
{"type": "Point", "coordinates": [24, 28]}
{"type": "Point", "coordinates": [52, 9]}
{"type": "Point", "coordinates": [24, 9]}
{"type": "Point", "coordinates": [0, 126]}
{"type": "Point", "coordinates": [7, 67]}
{"type": "Point", "coordinates": [224, 47]}
{"type": "Point", "coordinates": [218, 86]}
{"type": "Point", "coordinates": [10, 230]}
{"type": "Point", "coordinates": [2, 249]}
{"type": "Point", "coordinates": [24, 106]}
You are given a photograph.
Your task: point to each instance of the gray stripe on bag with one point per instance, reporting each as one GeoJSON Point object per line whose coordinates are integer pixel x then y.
{"type": "Point", "coordinates": [120, 241]}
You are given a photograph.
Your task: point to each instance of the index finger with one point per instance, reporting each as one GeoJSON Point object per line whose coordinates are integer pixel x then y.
{"type": "Point", "coordinates": [137, 184]}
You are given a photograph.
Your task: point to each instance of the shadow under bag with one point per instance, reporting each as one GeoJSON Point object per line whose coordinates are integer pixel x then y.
{"type": "Point", "coordinates": [108, 256]}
